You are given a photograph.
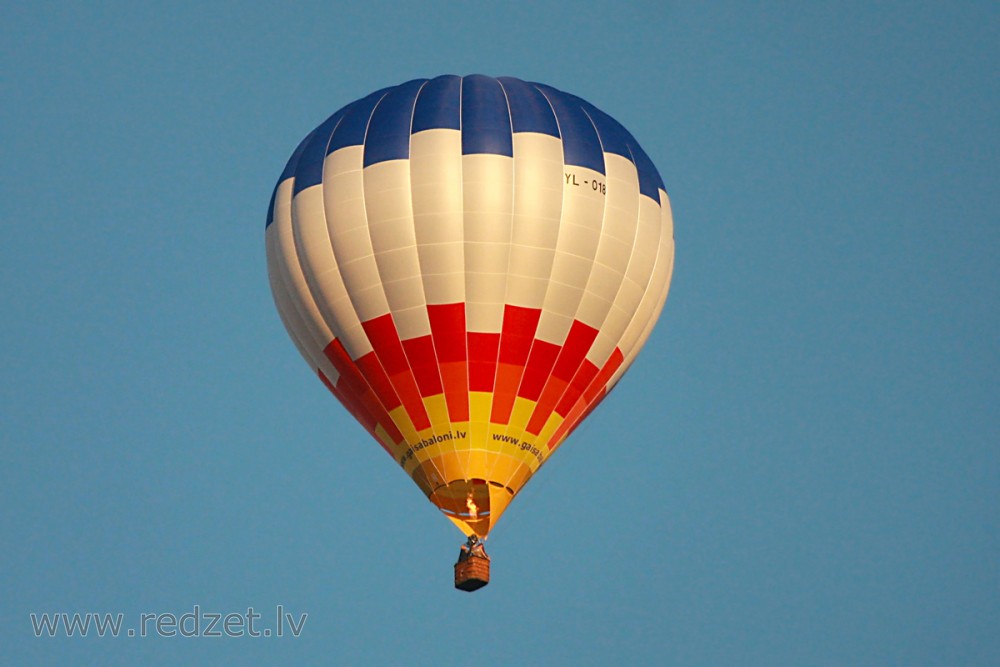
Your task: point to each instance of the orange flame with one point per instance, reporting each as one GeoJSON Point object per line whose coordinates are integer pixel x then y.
{"type": "Point", "coordinates": [473, 509]}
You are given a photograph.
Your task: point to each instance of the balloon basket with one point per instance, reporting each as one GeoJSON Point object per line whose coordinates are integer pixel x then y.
{"type": "Point", "coordinates": [472, 573]}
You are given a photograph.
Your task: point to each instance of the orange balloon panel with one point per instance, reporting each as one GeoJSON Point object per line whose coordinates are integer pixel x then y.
{"type": "Point", "coordinates": [469, 264]}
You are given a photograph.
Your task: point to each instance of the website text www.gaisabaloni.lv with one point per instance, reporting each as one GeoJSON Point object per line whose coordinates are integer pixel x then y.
{"type": "Point", "coordinates": [457, 435]}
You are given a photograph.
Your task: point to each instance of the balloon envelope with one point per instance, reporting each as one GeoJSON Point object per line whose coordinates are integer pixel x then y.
{"type": "Point", "coordinates": [469, 264]}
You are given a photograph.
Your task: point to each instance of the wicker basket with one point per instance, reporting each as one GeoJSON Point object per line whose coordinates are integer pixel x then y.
{"type": "Point", "coordinates": [472, 573]}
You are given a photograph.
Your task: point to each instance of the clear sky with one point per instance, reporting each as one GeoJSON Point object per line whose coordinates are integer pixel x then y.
{"type": "Point", "coordinates": [801, 469]}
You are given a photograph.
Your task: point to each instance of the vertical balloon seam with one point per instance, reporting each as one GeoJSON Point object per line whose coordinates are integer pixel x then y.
{"type": "Point", "coordinates": [356, 384]}
{"type": "Point", "coordinates": [452, 418]}
{"type": "Point", "coordinates": [352, 403]}
{"type": "Point", "coordinates": [366, 383]}
{"type": "Point", "coordinates": [577, 315]}
{"type": "Point", "coordinates": [293, 322]}
{"type": "Point", "coordinates": [404, 413]}
{"type": "Point", "coordinates": [569, 417]}
{"type": "Point", "coordinates": [643, 318]}
{"type": "Point", "coordinates": [465, 260]}
{"type": "Point", "coordinates": [531, 350]}
{"type": "Point", "coordinates": [488, 474]}
{"type": "Point", "coordinates": [513, 477]}
{"type": "Point", "coordinates": [493, 453]}
{"type": "Point", "coordinates": [510, 162]}
{"type": "Point", "coordinates": [493, 457]}
{"type": "Point", "coordinates": [287, 319]}
{"type": "Point", "coordinates": [547, 93]}
{"type": "Point", "coordinates": [639, 317]}
{"type": "Point", "coordinates": [286, 173]}
{"type": "Point", "coordinates": [665, 254]}
{"type": "Point", "coordinates": [647, 312]}
{"type": "Point", "coordinates": [647, 326]}
{"type": "Point", "coordinates": [377, 347]}
{"type": "Point", "coordinates": [583, 407]}
{"type": "Point", "coordinates": [409, 361]}
{"type": "Point", "coordinates": [469, 140]}
{"type": "Point", "coordinates": [273, 272]}
{"type": "Point", "coordinates": [461, 229]}
{"type": "Point", "coordinates": [627, 359]}
{"type": "Point", "coordinates": [635, 247]}
{"type": "Point", "coordinates": [340, 264]}
{"type": "Point", "coordinates": [505, 422]}
{"type": "Point", "coordinates": [338, 259]}
{"type": "Point", "coordinates": [405, 226]}
{"type": "Point", "coordinates": [465, 289]}
{"type": "Point", "coordinates": [549, 384]}
{"type": "Point", "coordinates": [287, 309]}
{"type": "Point", "coordinates": [288, 262]}
{"type": "Point", "coordinates": [464, 461]}
{"type": "Point", "coordinates": [289, 265]}
{"type": "Point", "coordinates": [314, 289]}
{"type": "Point", "coordinates": [457, 458]}
{"type": "Point", "coordinates": [437, 366]}
{"type": "Point", "coordinates": [536, 340]}
{"type": "Point", "coordinates": [465, 286]}
{"type": "Point", "coordinates": [465, 246]}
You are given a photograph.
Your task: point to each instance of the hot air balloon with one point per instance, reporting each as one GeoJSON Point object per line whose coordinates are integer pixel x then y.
{"type": "Point", "coordinates": [469, 264]}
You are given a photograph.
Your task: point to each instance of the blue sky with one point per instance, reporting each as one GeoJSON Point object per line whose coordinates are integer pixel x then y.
{"type": "Point", "coordinates": [805, 456]}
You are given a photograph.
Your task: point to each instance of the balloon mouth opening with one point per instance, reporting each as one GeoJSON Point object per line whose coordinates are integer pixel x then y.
{"type": "Point", "coordinates": [472, 504]}
{"type": "Point", "coordinates": [466, 515]}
